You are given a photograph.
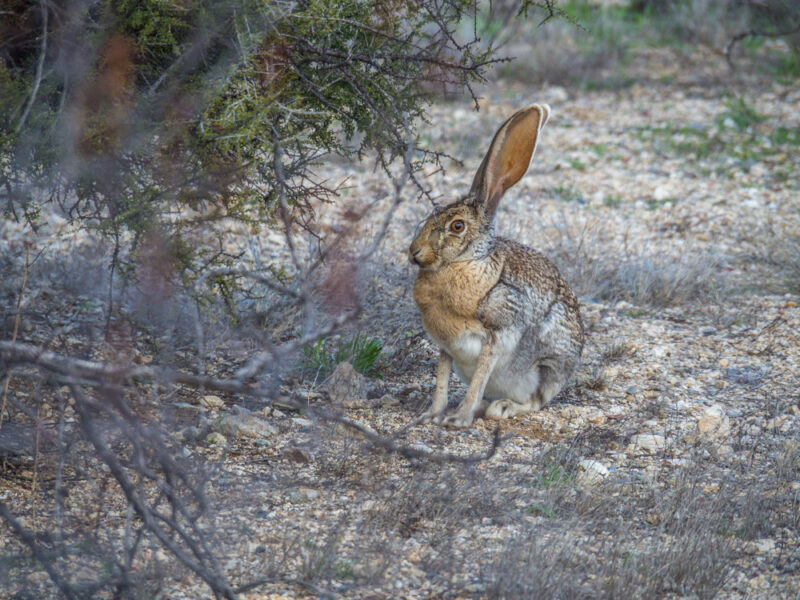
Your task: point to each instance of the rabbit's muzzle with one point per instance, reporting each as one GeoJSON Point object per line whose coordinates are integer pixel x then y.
{"type": "Point", "coordinates": [421, 254]}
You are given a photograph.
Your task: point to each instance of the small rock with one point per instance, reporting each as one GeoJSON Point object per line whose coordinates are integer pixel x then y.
{"type": "Point", "coordinates": [301, 495]}
{"type": "Point", "coordinates": [646, 442]}
{"type": "Point", "coordinates": [251, 427]}
{"type": "Point", "coordinates": [39, 578]}
{"type": "Point", "coordinates": [388, 400]}
{"type": "Point", "coordinates": [346, 384]}
{"type": "Point", "coordinates": [142, 359]}
{"type": "Point", "coordinates": [556, 94]}
{"type": "Point", "coordinates": [184, 410]}
{"type": "Point", "coordinates": [189, 434]}
{"type": "Point", "coordinates": [571, 412]}
{"type": "Point", "coordinates": [713, 423]}
{"type": "Point", "coordinates": [763, 546]}
{"type": "Point", "coordinates": [422, 447]}
{"type": "Point", "coordinates": [591, 472]}
{"type": "Point", "coordinates": [215, 438]}
{"type": "Point", "coordinates": [302, 422]}
{"type": "Point", "coordinates": [298, 455]}
{"type": "Point", "coordinates": [663, 192]}
{"type": "Point", "coordinates": [777, 422]}
{"type": "Point", "coordinates": [708, 331]}
{"type": "Point", "coordinates": [623, 305]}
{"type": "Point", "coordinates": [211, 401]}
{"type": "Point", "coordinates": [358, 403]}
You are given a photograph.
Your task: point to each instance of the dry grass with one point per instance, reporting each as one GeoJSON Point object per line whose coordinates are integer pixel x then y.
{"type": "Point", "coordinates": [656, 277]}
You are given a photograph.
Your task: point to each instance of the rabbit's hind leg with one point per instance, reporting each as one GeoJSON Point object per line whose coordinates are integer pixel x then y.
{"type": "Point", "coordinates": [551, 380]}
{"type": "Point", "coordinates": [503, 409]}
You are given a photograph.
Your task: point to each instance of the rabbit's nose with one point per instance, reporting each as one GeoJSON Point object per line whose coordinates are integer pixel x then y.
{"type": "Point", "coordinates": [413, 256]}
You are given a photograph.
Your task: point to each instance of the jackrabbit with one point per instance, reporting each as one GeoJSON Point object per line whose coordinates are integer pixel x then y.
{"type": "Point", "coordinates": [500, 311]}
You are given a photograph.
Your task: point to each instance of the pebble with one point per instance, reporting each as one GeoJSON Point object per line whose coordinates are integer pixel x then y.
{"type": "Point", "coordinates": [777, 422]}
{"type": "Point", "coordinates": [215, 438]}
{"type": "Point", "coordinates": [591, 472]}
{"type": "Point", "coordinates": [713, 423]}
{"type": "Point", "coordinates": [243, 423]}
{"type": "Point", "coordinates": [762, 546]}
{"type": "Point", "coordinates": [346, 384]}
{"type": "Point", "coordinates": [301, 495]}
{"type": "Point", "coordinates": [646, 442]}
{"type": "Point", "coordinates": [298, 455]}
{"type": "Point", "coordinates": [253, 427]}
{"type": "Point", "coordinates": [212, 401]}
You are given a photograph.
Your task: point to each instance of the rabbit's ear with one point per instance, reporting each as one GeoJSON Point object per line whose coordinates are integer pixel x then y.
{"type": "Point", "coordinates": [508, 157]}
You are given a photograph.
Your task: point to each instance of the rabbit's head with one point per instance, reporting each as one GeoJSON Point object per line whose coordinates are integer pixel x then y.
{"type": "Point", "coordinates": [464, 230]}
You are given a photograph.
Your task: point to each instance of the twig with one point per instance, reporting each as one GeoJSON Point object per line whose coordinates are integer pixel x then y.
{"type": "Point", "coordinates": [37, 80]}
{"type": "Point", "coordinates": [102, 373]}
{"type": "Point", "coordinates": [251, 585]}
{"type": "Point", "coordinates": [29, 539]}
{"type": "Point", "coordinates": [399, 183]}
{"type": "Point", "coordinates": [753, 33]}
{"type": "Point", "coordinates": [200, 561]}
{"type": "Point", "coordinates": [16, 326]}
{"type": "Point", "coordinates": [387, 443]}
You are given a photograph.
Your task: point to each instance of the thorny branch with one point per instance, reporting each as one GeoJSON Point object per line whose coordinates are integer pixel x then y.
{"type": "Point", "coordinates": [106, 418]}
{"type": "Point", "coordinates": [90, 372]}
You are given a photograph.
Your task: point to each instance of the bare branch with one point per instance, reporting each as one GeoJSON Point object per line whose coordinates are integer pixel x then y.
{"type": "Point", "coordinates": [37, 79]}
{"type": "Point", "coordinates": [12, 353]}
{"type": "Point", "coordinates": [754, 33]}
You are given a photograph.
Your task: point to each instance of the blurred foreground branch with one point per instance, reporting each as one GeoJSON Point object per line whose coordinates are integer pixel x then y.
{"type": "Point", "coordinates": [75, 372]}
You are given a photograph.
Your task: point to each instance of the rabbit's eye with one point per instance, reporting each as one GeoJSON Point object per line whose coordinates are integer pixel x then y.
{"type": "Point", "coordinates": [457, 226]}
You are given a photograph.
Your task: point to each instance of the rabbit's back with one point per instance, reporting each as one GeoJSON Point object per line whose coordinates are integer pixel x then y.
{"type": "Point", "coordinates": [536, 319]}
{"type": "Point", "coordinates": [529, 288]}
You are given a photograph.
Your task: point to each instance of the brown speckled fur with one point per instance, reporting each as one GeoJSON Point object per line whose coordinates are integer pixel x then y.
{"type": "Point", "coordinates": [501, 312]}
{"type": "Point", "coordinates": [449, 297]}
{"type": "Point", "coordinates": [526, 267]}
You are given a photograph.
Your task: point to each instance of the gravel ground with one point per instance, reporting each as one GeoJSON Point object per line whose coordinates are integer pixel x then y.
{"type": "Point", "coordinates": [670, 467]}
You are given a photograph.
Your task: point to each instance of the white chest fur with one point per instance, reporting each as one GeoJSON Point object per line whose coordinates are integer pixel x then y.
{"type": "Point", "coordinates": [504, 382]}
{"type": "Point", "coordinates": [465, 349]}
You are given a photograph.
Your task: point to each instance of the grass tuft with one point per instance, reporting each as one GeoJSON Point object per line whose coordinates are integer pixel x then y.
{"type": "Point", "coordinates": [361, 350]}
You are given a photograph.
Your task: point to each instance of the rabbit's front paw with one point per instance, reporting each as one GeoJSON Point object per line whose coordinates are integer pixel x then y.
{"type": "Point", "coordinates": [458, 420]}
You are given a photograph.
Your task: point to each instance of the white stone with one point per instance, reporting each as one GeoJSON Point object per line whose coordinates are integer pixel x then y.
{"type": "Point", "coordinates": [762, 546]}
{"type": "Point", "coordinates": [253, 427]}
{"type": "Point", "coordinates": [591, 472]}
{"type": "Point", "coordinates": [662, 192]}
{"type": "Point", "coordinates": [713, 423]}
{"type": "Point", "coordinates": [646, 442]}
{"type": "Point", "coordinates": [211, 401]}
